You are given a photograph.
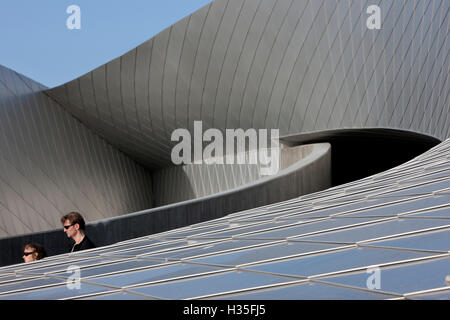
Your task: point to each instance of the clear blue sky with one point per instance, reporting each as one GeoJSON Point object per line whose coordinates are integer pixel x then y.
{"type": "Point", "coordinates": [35, 41]}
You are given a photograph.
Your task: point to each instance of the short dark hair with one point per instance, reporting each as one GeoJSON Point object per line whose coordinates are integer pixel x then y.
{"type": "Point", "coordinates": [36, 248]}
{"type": "Point", "coordinates": [74, 218]}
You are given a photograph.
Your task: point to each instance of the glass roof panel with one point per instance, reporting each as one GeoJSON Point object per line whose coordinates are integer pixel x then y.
{"type": "Point", "coordinates": [337, 261]}
{"type": "Point", "coordinates": [402, 279]}
{"type": "Point", "coordinates": [264, 253]}
{"type": "Point", "coordinates": [443, 212]}
{"type": "Point", "coordinates": [102, 250]}
{"type": "Point", "coordinates": [117, 296]}
{"type": "Point", "coordinates": [132, 240]}
{"type": "Point", "coordinates": [152, 274]}
{"type": "Point", "coordinates": [369, 185]}
{"type": "Point", "coordinates": [12, 277]}
{"type": "Point", "coordinates": [305, 291]}
{"type": "Point", "coordinates": [401, 207]}
{"type": "Point", "coordinates": [148, 250]}
{"type": "Point", "coordinates": [306, 228]}
{"type": "Point", "coordinates": [378, 230]}
{"type": "Point", "coordinates": [328, 192]}
{"type": "Point", "coordinates": [235, 232]}
{"type": "Point", "coordinates": [59, 292]}
{"type": "Point", "coordinates": [441, 295]}
{"type": "Point", "coordinates": [48, 263]}
{"type": "Point", "coordinates": [428, 176]}
{"type": "Point", "coordinates": [269, 215]}
{"type": "Point", "coordinates": [343, 198]}
{"type": "Point", "coordinates": [190, 232]}
{"type": "Point", "coordinates": [113, 267]}
{"type": "Point", "coordinates": [421, 189]}
{"type": "Point", "coordinates": [210, 248]}
{"type": "Point", "coordinates": [326, 211]}
{"type": "Point", "coordinates": [437, 240]}
{"type": "Point", "coordinates": [28, 284]}
{"type": "Point", "coordinates": [211, 284]}
{"type": "Point", "coordinates": [443, 192]}
{"type": "Point", "coordinates": [248, 221]}
{"type": "Point", "coordinates": [295, 203]}
{"type": "Point", "coordinates": [63, 267]}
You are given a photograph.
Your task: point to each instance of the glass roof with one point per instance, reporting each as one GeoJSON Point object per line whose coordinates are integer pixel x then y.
{"type": "Point", "coordinates": [318, 246]}
{"type": "Point", "coordinates": [397, 279]}
{"type": "Point", "coordinates": [306, 291]}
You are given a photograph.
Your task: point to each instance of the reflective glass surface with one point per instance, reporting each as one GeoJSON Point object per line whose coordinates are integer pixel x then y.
{"type": "Point", "coordinates": [25, 267]}
{"type": "Point", "coordinates": [369, 185]}
{"type": "Point", "coordinates": [306, 291]}
{"type": "Point", "coordinates": [121, 247]}
{"type": "Point", "coordinates": [378, 230]}
{"type": "Point", "coordinates": [429, 176]}
{"type": "Point", "coordinates": [268, 216]}
{"type": "Point", "coordinates": [318, 195]}
{"type": "Point", "coordinates": [336, 261]}
{"type": "Point", "coordinates": [417, 276]}
{"type": "Point", "coordinates": [432, 213]}
{"type": "Point", "coordinates": [117, 296]}
{"type": "Point", "coordinates": [206, 285]}
{"type": "Point", "coordinates": [248, 221]}
{"type": "Point", "coordinates": [401, 207]}
{"type": "Point", "coordinates": [64, 266]}
{"type": "Point", "coordinates": [327, 210]}
{"type": "Point", "coordinates": [114, 267]}
{"type": "Point", "coordinates": [210, 248]}
{"type": "Point", "coordinates": [190, 232]}
{"type": "Point", "coordinates": [148, 250]}
{"type": "Point", "coordinates": [422, 189]}
{"type": "Point", "coordinates": [308, 228]}
{"type": "Point", "coordinates": [442, 295]}
{"type": "Point", "coordinates": [60, 292]}
{"type": "Point", "coordinates": [264, 253]}
{"type": "Point", "coordinates": [239, 231]}
{"type": "Point", "coordinates": [28, 284]}
{"type": "Point", "coordinates": [11, 278]}
{"type": "Point", "coordinates": [152, 274]}
{"type": "Point", "coordinates": [437, 240]}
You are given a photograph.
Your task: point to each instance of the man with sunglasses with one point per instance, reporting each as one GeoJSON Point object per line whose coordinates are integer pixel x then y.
{"type": "Point", "coordinates": [74, 224]}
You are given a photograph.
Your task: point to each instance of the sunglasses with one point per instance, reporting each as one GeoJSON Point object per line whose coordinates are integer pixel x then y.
{"type": "Point", "coordinates": [26, 254]}
{"type": "Point", "coordinates": [68, 226]}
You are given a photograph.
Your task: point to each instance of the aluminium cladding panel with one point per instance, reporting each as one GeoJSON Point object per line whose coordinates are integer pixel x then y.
{"type": "Point", "coordinates": [52, 164]}
{"type": "Point", "coordinates": [300, 66]}
{"type": "Point", "coordinates": [309, 170]}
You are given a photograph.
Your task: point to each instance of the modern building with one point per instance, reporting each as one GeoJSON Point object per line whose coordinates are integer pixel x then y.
{"type": "Point", "coordinates": [362, 197]}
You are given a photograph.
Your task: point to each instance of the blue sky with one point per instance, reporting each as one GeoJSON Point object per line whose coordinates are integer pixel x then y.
{"type": "Point", "coordinates": [35, 41]}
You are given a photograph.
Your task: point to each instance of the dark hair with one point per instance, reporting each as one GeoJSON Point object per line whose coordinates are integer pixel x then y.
{"type": "Point", "coordinates": [74, 217]}
{"type": "Point", "coordinates": [36, 248]}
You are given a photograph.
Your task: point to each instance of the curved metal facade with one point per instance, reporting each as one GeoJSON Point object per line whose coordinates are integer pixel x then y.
{"type": "Point", "coordinates": [297, 65]}
{"type": "Point", "coordinates": [51, 164]}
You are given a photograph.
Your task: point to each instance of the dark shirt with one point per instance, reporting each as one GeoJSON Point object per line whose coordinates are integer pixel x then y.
{"type": "Point", "coordinates": [83, 245]}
